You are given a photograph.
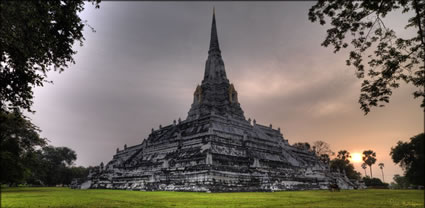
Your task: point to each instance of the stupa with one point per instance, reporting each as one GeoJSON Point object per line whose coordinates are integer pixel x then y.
{"type": "Point", "coordinates": [215, 149]}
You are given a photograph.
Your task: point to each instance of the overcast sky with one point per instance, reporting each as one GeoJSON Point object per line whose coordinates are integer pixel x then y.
{"type": "Point", "coordinates": [141, 66]}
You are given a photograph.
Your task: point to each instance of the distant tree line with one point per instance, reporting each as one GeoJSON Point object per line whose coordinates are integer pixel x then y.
{"type": "Point", "coordinates": [25, 157]}
{"type": "Point", "coordinates": [54, 166]}
{"type": "Point", "coordinates": [340, 163]}
{"type": "Point", "coordinates": [409, 155]}
{"type": "Point", "coordinates": [48, 166]}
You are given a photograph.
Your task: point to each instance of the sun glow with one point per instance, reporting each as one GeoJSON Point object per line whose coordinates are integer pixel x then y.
{"type": "Point", "coordinates": [356, 157]}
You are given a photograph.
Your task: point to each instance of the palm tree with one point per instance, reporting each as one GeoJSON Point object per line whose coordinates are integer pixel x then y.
{"type": "Point", "coordinates": [364, 166]}
{"type": "Point", "coordinates": [369, 157]}
{"type": "Point", "coordinates": [344, 155]}
{"type": "Point", "coordinates": [381, 165]}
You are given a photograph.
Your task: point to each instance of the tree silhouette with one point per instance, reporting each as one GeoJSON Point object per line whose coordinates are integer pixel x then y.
{"type": "Point", "coordinates": [18, 139]}
{"type": "Point", "coordinates": [369, 157]}
{"type": "Point", "coordinates": [342, 163]}
{"type": "Point", "coordinates": [392, 60]}
{"type": "Point", "coordinates": [381, 166]}
{"type": "Point", "coordinates": [410, 156]}
{"type": "Point", "coordinates": [36, 37]}
{"type": "Point", "coordinates": [321, 148]}
{"type": "Point", "coordinates": [302, 145]}
{"type": "Point", "coordinates": [325, 159]}
{"type": "Point", "coordinates": [401, 182]}
{"type": "Point", "coordinates": [364, 166]}
{"type": "Point", "coordinates": [52, 165]}
{"type": "Point", "coordinates": [344, 155]}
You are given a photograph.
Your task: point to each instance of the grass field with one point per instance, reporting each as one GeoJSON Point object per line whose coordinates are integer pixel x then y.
{"type": "Point", "coordinates": [65, 197]}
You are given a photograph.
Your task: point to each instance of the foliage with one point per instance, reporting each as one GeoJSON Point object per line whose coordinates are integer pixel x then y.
{"type": "Point", "coordinates": [401, 182]}
{"type": "Point", "coordinates": [35, 37]}
{"type": "Point", "coordinates": [65, 197]}
{"type": "Point", "coordinates": [302, 146]}
{"type": "Point", "coordinates": [364, 166]}
{"type": "Point", "coordinates": [52, 165]}
{"type": "Point", "coordinates": [410, 156]}
{"type": "Point", "coordinates": [344, 155]}
{"type": "Point", "coordinates": [18, 139]}
{"type": "Point", "coordinates": [342, 163]}
{"type": "Point", "coordinates": [369, 157]}
{"type": "Point", "coordinates": [325, 158]}
{"type": "Point", "coordinates": [322, 148]}
{"type": "Point", "coordinates": [348, 168]}
{"type": "Point", "coordinates": [393, 59]}
{"type": "Point", "coordinates": [375, 182]}
{"type": "Point", "coordinates": [77, 172]}
{"type": "Point", "coordinates": [381, 166]}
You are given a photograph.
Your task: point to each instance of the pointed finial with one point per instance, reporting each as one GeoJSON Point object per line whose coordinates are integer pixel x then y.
{"type": "Point", "coordinates": [214, 46]}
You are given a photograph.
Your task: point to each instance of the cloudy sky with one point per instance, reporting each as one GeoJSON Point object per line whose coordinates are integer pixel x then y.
{"type": "Point", "coordinates": [141, 66]}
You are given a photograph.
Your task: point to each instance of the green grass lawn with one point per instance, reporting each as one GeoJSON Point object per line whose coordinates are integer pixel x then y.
{"type": "Point", "coordinates": [65, 197]}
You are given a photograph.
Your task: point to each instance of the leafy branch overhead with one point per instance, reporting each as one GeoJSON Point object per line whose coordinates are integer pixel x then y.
{"type": "Point", "coordinates": [380, 58]}
{"type": "Point", "coordinates": [35, 37]}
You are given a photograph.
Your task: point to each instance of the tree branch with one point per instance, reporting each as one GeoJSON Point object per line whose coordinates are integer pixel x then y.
{"type": "Point", "coordinates": [421, 35]}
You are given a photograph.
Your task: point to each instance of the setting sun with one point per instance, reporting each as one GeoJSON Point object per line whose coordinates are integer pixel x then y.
{"type": "Point", "coordinates": [356, 157]}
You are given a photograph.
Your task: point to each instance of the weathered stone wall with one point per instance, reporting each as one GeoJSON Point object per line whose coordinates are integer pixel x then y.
{"type": "Point", "coordinates": [215, 154]}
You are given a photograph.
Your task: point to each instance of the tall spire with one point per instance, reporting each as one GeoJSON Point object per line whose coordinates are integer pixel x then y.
{"type": "Point", "coordinates": [215, 95]}
{"type": "Point", "coordinates": [214, 67]}
{"type": "Point", "coordinates": [214, 46]}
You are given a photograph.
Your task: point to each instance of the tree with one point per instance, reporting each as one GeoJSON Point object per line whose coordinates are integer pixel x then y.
{"type": "Point", "coordinates": [18, 140]}
{"type": "Point", "coordinates": [325, 158]}
{"type": "Point", "coordinates": [342, 163]}
{"type": "Point", "coordinates": [321, 148]}
{"type": "Point", "coordinates": [79, 172]}
{"type": "Point", "coordinates": [381, 166]}
{"type": "Point", "coordinates": [393, 59]}
{"type": "Point", "coordinates": [369, 157]}
{"type": "Point", "coordinates": [323, 151]}
{"type": "Point", "coordinates": [35, 37]}
{"type": "Point", "coordinates": [364, 166]}
{"type": "Point", "coordinates": [410, 156]}
{"type": "Point", "coordinates": [55, 163]}
{"type": "Point", "coordinates": [344, 155]}
{"type": "Point", "coordinates": [401, 182]}
{"type": "Point", "coordinates": [374, 182]}
{"type": "Point", "coordinates": [302, 146]}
